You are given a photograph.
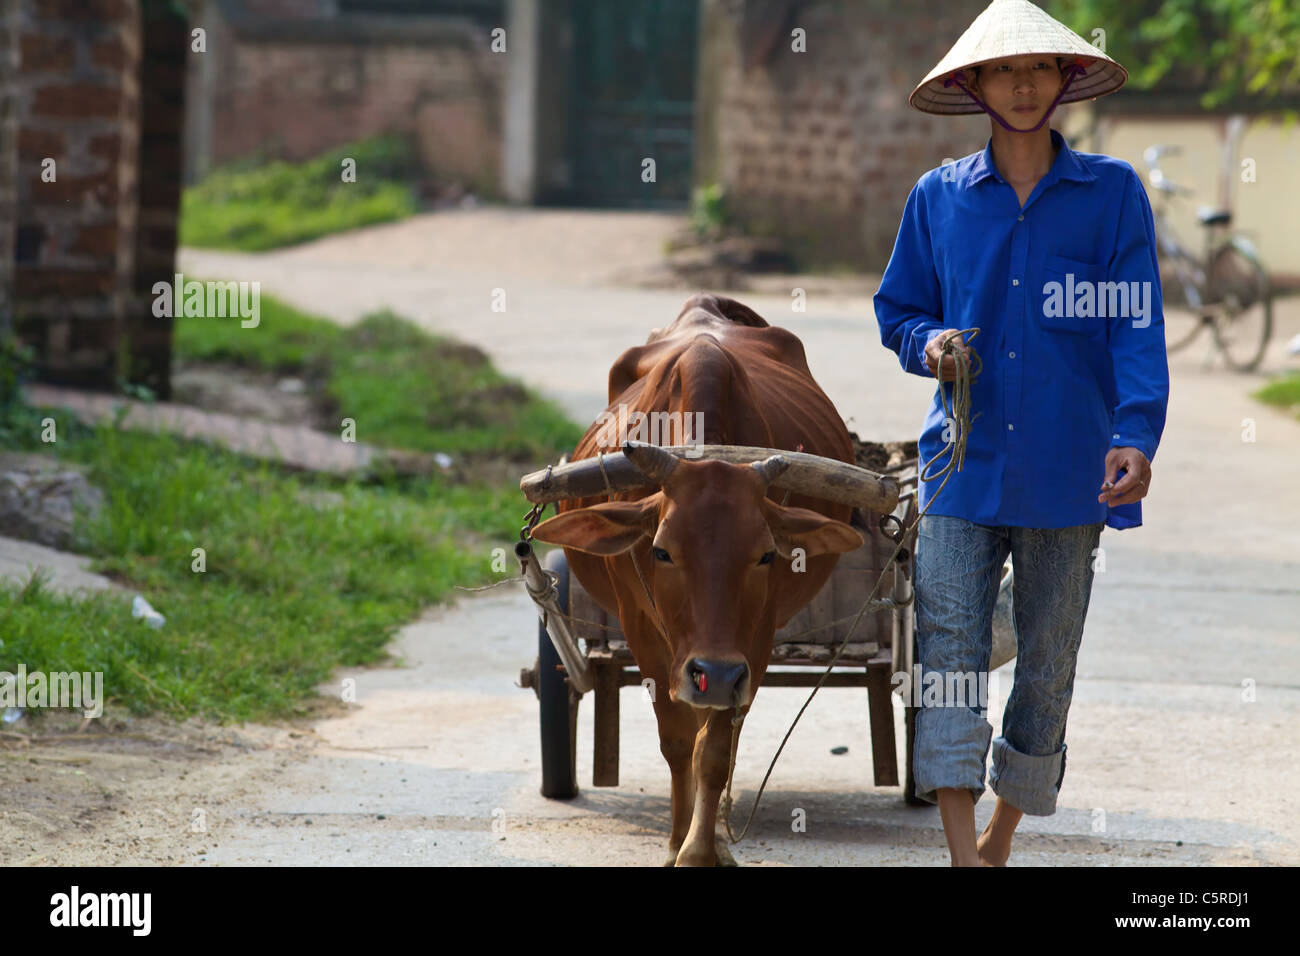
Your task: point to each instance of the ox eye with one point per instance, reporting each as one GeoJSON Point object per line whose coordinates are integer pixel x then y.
{"type": "Point", "coordinates": [767, 558]}
{"type": "Point", "coordinates": [662, 555]}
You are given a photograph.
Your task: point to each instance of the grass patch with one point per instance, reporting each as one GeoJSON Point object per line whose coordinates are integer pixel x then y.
{"type": "Point", "coordinates": [296, 583]}
{"type": "Point", "coordinates": [1283, 391]}
{"type": "Point", "coordinates": [405, 387]}
{"type": "Point", "coordinates": [290, 591]}
{"type": "Point", "coordinates": [255, 207]}
{"type": "Point", "coordinates": [284, 340]}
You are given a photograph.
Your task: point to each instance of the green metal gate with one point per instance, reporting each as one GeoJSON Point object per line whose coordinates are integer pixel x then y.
{"type": "Point", "coordinates": [633, 98]}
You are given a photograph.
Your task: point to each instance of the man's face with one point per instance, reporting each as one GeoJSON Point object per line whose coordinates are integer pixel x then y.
{"type": "Point", "coordinates": [1019, 88]}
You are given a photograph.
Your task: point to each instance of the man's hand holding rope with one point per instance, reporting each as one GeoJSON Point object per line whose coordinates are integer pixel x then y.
{"type": "Point", "coordinates": [934, 354]}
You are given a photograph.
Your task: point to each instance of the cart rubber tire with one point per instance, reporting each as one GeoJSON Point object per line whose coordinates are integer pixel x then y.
{"type": "Point", "coordinates": [559, 704]}
{"type": "Point", "coordinates": [909, 735]}
{"type": "Point", "coordinates": [909, 791]}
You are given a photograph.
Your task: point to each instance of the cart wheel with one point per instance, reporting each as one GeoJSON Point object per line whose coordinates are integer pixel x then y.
{"type": "Point", "coordinates": [559, 703]}
{"type": "Point", "coordinates": [909, 724]}
{"type": "Point", "coordinates": [909, 791]}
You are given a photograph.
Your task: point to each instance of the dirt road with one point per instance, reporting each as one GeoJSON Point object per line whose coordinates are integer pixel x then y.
{"type": "Point", "coordinates": [1171, 761]}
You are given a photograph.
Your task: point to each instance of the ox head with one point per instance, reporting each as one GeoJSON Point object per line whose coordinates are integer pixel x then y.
{"type": "Point", "coordinates": [718, 551]}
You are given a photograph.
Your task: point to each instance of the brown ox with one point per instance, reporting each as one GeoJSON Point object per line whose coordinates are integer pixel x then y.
{"type": "Point", "coordinates": [713, 543]}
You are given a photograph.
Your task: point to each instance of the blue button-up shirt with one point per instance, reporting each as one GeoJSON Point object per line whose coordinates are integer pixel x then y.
{"type": "Point", "coordinates": [1066, 294]}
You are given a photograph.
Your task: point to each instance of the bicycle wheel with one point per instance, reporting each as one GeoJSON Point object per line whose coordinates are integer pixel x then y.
{"type": "Point", "coordinates": [1182, 304]}
{"type": "Point", "coordinates": [1240, 290]}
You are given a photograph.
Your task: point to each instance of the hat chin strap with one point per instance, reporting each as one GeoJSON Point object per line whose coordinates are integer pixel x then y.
{"type": "Point", "coordinates": [1071, 70]}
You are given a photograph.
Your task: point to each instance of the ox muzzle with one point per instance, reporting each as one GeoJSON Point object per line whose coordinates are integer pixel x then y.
{"type": "Point", "coordinates": [713, 682]}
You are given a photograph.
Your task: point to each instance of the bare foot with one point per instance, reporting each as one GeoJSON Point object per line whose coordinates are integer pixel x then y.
{"type": "Point", "coordinates": [992, 855]}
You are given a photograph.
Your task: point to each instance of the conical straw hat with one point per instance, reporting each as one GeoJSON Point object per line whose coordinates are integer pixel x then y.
{"type": "Point", "coordinates": [1015, 28]}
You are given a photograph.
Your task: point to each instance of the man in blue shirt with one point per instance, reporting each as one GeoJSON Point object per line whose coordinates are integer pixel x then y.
{"type": "Point", "coordinates": [1052, 255]}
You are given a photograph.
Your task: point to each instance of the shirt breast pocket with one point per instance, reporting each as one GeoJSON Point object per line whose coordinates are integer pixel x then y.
{"type": "Point", "coordinates": [1073, 299]}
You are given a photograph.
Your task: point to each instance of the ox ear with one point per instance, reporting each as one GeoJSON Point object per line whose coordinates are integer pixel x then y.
{"type": "Point", "coordinates": [608, 528]}
{"type": "Point", "coordinates": [803, 528]}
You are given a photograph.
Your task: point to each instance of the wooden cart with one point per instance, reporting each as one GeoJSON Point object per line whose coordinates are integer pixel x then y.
{"type": "Point", "coordinates": [881, 646]}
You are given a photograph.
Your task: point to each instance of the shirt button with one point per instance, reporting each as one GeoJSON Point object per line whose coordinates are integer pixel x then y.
{"type": "Point", "coordinates": [1020, 218]}
{"type": "Point", "coordinates": [1011, 428]}
{"type": "Point", "coordinates": [1011, 355]}
{"type": "Point", "coordinates": [1114, 436]}
{"type": "Point", "coordinates": [1015, 282]}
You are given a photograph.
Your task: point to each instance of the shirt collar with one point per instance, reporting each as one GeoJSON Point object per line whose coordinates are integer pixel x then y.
{"type": "Point", "coordinates": [1067, 165]}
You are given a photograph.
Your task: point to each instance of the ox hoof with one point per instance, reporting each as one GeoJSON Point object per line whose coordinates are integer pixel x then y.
{"type": "Point", "coordinates": [724, 854]}
{"type": "Point", "coordinates": [719, 856]}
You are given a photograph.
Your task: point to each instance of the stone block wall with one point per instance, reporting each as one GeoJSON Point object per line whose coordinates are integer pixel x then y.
{"type": "Point", "coordinates": [821, 148]}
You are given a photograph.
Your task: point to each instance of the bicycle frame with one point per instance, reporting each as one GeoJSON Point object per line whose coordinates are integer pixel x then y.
{"type": "Point", "coordinates": [1188, 268]}
{"type": "Point", "coordinates": [1215, 303]}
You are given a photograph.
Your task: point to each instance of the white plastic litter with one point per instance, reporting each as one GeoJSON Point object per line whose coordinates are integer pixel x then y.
{"type": "Point", "coordinates": [443, 460]}
{"type": "Point", "coordinates": [140, 608]}
{"type": "Point", "coordinates": [10, 715]}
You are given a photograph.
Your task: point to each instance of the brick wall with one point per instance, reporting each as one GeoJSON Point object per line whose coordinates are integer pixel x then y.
{"type": "Point", "coordinates": [292, 89]}
{"type": "Point", "coordinates": [162, 122]}
{"type": "Point", "coordinates": [99, 92]}
{"type": "Point", "coordinates": [8, 133]}
{"type": "Point", "coordinates": [79, 106]}
{"type": "Point", "coordinates": [821, 148]}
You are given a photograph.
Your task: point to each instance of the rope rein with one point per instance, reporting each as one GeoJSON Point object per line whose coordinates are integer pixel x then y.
{"type": "Point", "coordinates": [959, 414]}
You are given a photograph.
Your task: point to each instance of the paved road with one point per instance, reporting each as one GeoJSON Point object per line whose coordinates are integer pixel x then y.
{"type": "Point", "coordinates": [1168, 762]}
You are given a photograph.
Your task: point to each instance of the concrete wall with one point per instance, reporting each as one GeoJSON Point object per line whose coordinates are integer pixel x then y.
{"type": "Point", "coordinates": [552, 166]}
{"type": "Point", "coordinates": [1266, 209]}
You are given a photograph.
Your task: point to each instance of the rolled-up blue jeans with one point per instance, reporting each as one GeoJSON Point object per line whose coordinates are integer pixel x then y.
{"type": "Point", "coordinates": [958, 572]}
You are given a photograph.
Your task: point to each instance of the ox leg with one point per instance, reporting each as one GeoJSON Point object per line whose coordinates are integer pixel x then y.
{"type": "Point", "coordinates": [704, 846]}
{"type": "Point", "coordinates": [677, 730]}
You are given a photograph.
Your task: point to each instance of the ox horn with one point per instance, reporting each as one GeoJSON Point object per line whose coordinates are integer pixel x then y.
{"type": "Point", "coordinates": [771, 467]}
{"type": "Point", "coordinates": [805, 474]}
{"type": "Point", "coordinates": [651, 460]}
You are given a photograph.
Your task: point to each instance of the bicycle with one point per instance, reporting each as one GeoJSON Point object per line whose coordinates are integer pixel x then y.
{"type": "Point", "coordinates": [1226, 288]}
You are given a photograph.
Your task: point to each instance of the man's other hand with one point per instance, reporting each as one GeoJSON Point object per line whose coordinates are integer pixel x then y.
{"type": "Point", "coordinates": [1136, 482]}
